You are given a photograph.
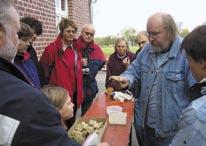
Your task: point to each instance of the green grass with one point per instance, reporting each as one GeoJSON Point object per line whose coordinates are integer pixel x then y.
{"type": "Point", "coordinates": [108, 50]}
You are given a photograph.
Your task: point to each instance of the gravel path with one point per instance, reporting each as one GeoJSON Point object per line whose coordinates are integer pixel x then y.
{"type": "Point", "coordinates": [101, 81]}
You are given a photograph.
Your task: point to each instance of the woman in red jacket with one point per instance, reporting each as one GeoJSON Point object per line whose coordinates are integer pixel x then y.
{"type": "Point", "coordinates": [61, 62]}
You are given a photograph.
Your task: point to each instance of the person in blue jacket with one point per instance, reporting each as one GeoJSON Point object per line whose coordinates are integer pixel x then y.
{"type": "Point", "coordinates": [37, 28]}
{"type": "Point", "coordinates": [26, 115]}
{"type": "Point", "coordinates": [192, 122]}
{"type": "Point", "coordinates": [23, 58]}
{"type": "Point", "coordinates": [161, 73]}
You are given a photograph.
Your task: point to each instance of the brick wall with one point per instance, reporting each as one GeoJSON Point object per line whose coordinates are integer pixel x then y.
{"type": "Point", "coordinates": [44, 10]}
{"type": "Point", "coordinates": [79, 11]}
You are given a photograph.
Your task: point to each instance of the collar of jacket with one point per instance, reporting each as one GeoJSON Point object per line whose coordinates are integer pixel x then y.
{"type": "Point", "coordinates": [202, 83]}
{"type": "Point", "coordinates": [84, 43]}
{"type": "Point", "coordinates": [173, 50]}
{"type": "Point", "coordinates": [121, 57]}
{"type": "Point", "coordinates": [197, 90]}
{"type": "Point", "coordinates": [12, 69]}
{"type": "Point", "coordinates": [23, 56]}
{"type": "Point", "coordinates": [59, 44]}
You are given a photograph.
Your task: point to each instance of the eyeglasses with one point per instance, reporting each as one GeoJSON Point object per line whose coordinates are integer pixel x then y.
{"type": "Point", "coordinates": [154, 34]}
{"type": "Point", "coordinates": [89, 33]}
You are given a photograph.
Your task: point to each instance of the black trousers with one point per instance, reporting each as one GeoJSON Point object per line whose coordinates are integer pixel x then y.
{"type": "Point", "coordinates": [87, 103]}
{"type": "Point", "coordinates": [140, 135]}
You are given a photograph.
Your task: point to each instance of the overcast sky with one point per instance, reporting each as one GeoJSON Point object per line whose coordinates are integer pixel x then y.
{"type": "Point", "coordinates": [112, 16]}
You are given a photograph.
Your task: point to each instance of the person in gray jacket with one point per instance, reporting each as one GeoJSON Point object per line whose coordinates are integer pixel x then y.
{"type": "Point", "coordinates": [162, 74]}
{"type": "Point", "coordinates": [192, 123]}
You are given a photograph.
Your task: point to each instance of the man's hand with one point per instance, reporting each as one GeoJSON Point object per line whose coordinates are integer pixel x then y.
{"type": "Point", "coordinates": [121, 81]}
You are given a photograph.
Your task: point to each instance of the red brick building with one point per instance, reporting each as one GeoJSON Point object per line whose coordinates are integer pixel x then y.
{"type": "Point", "coordinates": [49, 12]}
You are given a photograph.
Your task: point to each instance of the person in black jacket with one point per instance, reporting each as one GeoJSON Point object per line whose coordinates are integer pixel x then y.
{"type": "Point", "coordinates": [36, 26]}
{"type": "Point", "coordinates": [26, 115]}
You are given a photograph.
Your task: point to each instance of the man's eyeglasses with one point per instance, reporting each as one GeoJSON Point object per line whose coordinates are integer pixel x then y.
{"type": "Point", "coordinates": [154, 34]}
{"type": "Point", "coordinates": [89, 33]}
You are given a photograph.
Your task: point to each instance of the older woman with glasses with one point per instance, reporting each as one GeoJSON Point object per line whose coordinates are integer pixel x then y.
{"type": "Point", "coordinates": [162, 74]}
{"type": "Point", "coordinates": [93, 60]}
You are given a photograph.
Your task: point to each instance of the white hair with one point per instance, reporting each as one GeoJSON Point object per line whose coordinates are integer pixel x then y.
{"type": "Point", "coordinates": [7, 48]}
{"type": "Point", "coordinates": [88, 26]}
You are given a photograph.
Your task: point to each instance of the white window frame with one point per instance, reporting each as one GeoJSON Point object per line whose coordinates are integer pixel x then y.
{"type": "Point", "coordinates": [60, 13]}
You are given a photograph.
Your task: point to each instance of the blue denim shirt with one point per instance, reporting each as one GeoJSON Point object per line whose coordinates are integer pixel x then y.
{"type": "Point", "coordinates": [192, 125]}
{"type": "Point", "coordinates": [173, 81]}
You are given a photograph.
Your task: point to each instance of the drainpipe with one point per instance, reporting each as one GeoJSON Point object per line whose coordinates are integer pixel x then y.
{"type": "Point", "coordinates": [91, 3]}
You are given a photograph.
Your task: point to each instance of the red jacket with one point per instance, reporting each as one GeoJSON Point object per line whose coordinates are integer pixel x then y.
{"type": "Point", "coordinates": [59, 67]}
{"type": "Point", "coordinates": [97, 54]}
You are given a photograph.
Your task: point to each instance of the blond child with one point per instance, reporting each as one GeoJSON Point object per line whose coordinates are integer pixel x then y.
{"type": "Point", "coordinates": [61, 100]}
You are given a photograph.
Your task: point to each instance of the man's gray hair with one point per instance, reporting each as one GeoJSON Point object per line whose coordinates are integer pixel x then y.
{"type": "Point", "coordinates": [7, 50]}
{"type": "Point", "coordinates": [90, 26]}
{"type": "Point", "coordinates": [5, 13]}
{"type": "Point", "coordinates": [170, 26]}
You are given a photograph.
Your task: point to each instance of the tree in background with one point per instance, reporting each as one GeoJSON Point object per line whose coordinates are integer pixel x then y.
{"type": "Point", "coordinates": [106, 41]}
{"type": "Point", "coordinates": [129, 34]}
{"type": "Point", "coordinates": [183, 32]}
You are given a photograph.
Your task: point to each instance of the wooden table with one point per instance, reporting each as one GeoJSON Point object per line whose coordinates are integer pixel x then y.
{"type": "Point", "coordinates": [115, 135]}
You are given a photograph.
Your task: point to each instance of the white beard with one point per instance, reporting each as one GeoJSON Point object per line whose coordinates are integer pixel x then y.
{"type": "Point", "coordinates": [9, 49]}
{"type": "Point", "coordinates": [162, 48]}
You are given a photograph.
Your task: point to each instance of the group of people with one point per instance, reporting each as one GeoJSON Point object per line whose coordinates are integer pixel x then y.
{"type": "Point", "coordinates": [73, 64]}
{"type": "Point", "coordinates": [27, 115]}
{"type": "Point", "coordinates": [167, 76]}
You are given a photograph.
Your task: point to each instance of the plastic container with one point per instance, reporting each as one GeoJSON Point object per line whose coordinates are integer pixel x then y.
{"type": "Point", "coordinates": [114, 108]}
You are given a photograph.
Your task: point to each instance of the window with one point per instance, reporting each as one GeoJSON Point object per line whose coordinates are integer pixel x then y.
{"type": "Point", "coordinates": [61, 11]}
